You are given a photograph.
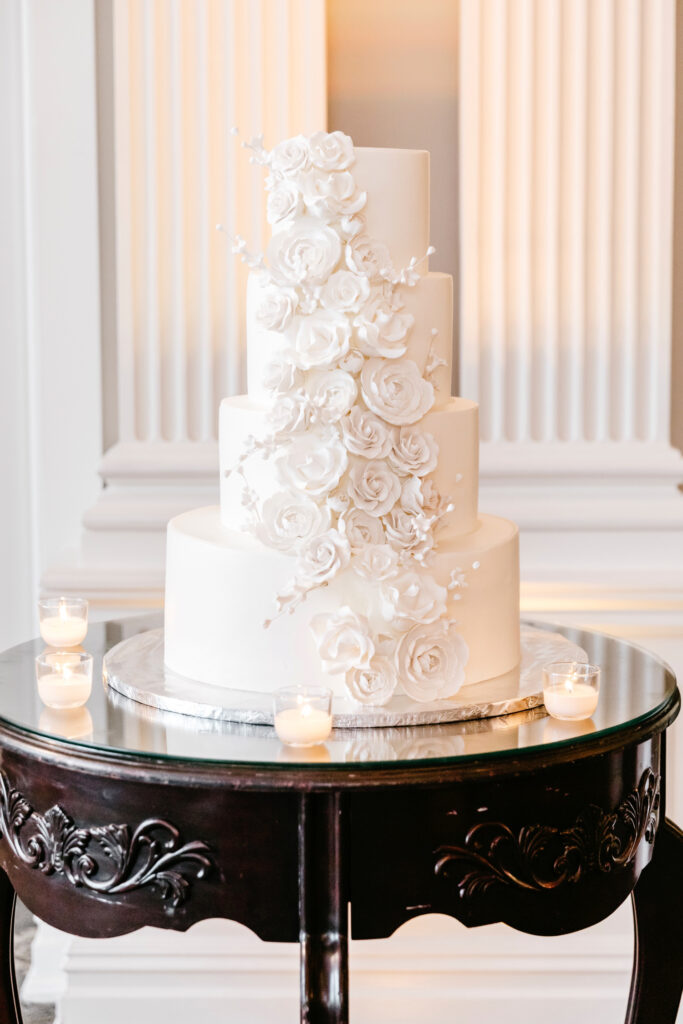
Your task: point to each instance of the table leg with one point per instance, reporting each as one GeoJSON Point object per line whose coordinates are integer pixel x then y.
{"type": "Point", "coordinates": [657, 979]}
{"type": "Point", "coordinates": [10, 1010]}
{"type": "Point", "coordinates": [323, 910]}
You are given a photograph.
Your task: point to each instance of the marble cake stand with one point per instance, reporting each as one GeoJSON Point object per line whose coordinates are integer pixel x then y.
{"type": "Point", "coordinates": [135, 668]}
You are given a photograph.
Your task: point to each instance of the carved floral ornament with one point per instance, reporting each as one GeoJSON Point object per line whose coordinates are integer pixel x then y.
{"type": "Point", "coordinates": [105, 859]}
{"type": "Point", "coordinates": [346, 436]}
{"type": "Point", "coordinates": [542, 857]}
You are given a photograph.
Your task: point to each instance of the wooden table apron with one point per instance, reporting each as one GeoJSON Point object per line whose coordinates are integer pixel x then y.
{"type": "Point", "coordinates": [548, 841]}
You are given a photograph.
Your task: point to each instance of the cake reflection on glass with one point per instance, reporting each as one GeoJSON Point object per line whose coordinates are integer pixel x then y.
{"type": "Point", "coordinates": [348, 548]}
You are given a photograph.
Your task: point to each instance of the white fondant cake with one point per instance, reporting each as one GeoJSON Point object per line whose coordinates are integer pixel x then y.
{"type": "Point", "coordinates": [348, 547]}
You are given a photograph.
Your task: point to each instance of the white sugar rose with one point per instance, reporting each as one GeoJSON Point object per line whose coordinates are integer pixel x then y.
{"type": "Point", "coordinates": [344, 640]}
{"type": "Point", "coordinates": [331, 151]}
{"type": "Point", "coordinates": [275, 308]}
{"type": "Point", "coordinates": [376, 562]}
{"type": "Point", "coordinates": [366, 256]}
{"type": "Point", "coordinates": [431, 661]}
{"type": "Point", "coordinates": [362, 529]}
{"type": "Point", "coordinates": [321, 340]}
{"type": "Point", "coordinates": [289, 519]}
{"type": "Point", "coordinates": [372, 684]}
{"type": "Point", "coordinates": [288, 412]}
{"type": "Point", "coordinates": [373, 487]}
{"type": "Point", "coordinates": [414, 452]}
{"type": "Point", "coordinates": [352, 362]}
{"type": "Point", "coordinates": [322, 557]}
{"type": "Point", "coordinates": [412, 597]}
{"type": "Point", "coordinates": [409, 533]}
{"type": "Point", "coordinates": [313, 462]}
{"type": "Point", "coordinates": [421, 497]}
{"type": "Point", "coordinates": [381, 328]}
{"type": "Point", "coordinates": [291, 156]}
{"type": "Point", "coordinates": [344, 292]}
{"type": "Point", "coordinates": [332, 393]}
{"type": "Point", "coordinates": [396, 390]}
{"type": "Point", "coordinates": [330, 196]}
{"type": "Point", "coordinates": [283, 201]}
{"type": "Point", "coordinates": [307, 251]}
{"type": "Point", "coordinates": [365, 434]}
{"type": "Point", "coordinates": [281, 375]}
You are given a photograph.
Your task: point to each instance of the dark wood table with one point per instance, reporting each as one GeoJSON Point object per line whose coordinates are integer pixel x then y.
{"type": "Point", "coordinates": [119, 817]}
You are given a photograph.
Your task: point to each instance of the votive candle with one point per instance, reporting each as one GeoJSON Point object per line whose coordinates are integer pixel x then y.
{"type": "Point", "coordinates": [571, 690]}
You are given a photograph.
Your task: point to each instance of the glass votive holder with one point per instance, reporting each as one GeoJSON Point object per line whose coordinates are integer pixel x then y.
{"type": "Point", "coordinates": [302, 715]}
{"type": "Point", "coordinates": [570, 690]}
{"type": "Point", "coordinates": [63, 620]}
{"type": "Point", "coordinates": [64, 684]}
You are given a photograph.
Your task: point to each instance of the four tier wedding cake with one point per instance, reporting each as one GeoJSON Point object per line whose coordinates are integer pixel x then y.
{"type": "Point", "coordinates": [348, 546]}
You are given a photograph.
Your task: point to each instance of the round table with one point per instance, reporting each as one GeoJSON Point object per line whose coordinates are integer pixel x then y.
{"type": "Point", "coordinates": [118, 816]}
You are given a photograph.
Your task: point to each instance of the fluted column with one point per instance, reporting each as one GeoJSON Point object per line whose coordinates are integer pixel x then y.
{"type": "Point", "coordinates": [566, 148]}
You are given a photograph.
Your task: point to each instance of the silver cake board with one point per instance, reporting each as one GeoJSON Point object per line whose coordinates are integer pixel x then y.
{"type": "Point", "coordinates": [135, 668]}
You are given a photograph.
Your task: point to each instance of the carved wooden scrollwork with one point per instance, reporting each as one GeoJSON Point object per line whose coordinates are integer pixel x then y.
{"type": "Point", "coordinates": [106, 859]}
{"type": "Point", "coordinates": [542, 857]}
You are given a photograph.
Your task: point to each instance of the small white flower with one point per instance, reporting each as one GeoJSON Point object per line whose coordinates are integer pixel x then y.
{"type": "Point", "coordinates": [308, 251]}
{"type": "Point", "coordinates": [362, 529]}
{"type": "Point", "coordinates": [396, 390]}
{"type": "Point", "coordinates": [381, 328]}
{"type": "Point", "coordinates": [313, 462]}
{"type": "Point", "coordinates": [344, 640]}
{"type": "Point", "coordinates": [322, 557]}
{"type": "Point", "coordinates": [283, 201]}
{"type": "Point", "coordinates": [366, 256]}
{"type": "Point", "coordinates": [331, 151]}
{"type": "Point", "coordinates": [420, 497]}
{"type": "Point", "coordinates": [332, 393]}
{"type": "Point", "coordinates": [330, 196]}
{"type": "Point", "coordinates": [374, 487]}
{"type": "Point", "coordinates": [288, 412]}
{"type": "Point", "coordinates": [367, 435]}
{"type": "Point", "coordinates": [281, 375]}
{"type": "Point", "coordinates": [291, 156]}
{"type": "Point", "coordinates": [414, 452]}
{"type": "Point", "coordinates": [321, 340]}
{"type": "Point", "coordinates": [275, 308]}
{"type": "Point", "coordinates": [376, 562]}
{"type": "Point", "coordinates": [352, 362]}
{"type": "Point", "coordinates": [431, 661]}
{"type": "Point", "coordinates": [407, 533]}
{"type": "Point", "coordinates": [344, 292]}
{"type": "Point", "coordinates": [412, 597]}
{"type": "Point", "coordinates": [373, 684]}
{"type": "Point", "coordinates": [289, 519]}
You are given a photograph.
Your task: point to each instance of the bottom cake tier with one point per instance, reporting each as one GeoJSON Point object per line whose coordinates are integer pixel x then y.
{"type": "Point", "coordinates": [221, 587]}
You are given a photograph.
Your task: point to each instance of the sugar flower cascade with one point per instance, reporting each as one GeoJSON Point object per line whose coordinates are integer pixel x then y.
{"type": "Point", "coordinates": [347, 438]}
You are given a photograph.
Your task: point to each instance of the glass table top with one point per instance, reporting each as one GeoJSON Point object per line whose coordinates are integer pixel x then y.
{"type": "Point", "coordinates": [635, 686]}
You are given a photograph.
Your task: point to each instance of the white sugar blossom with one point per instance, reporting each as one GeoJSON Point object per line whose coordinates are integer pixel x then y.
{"type": "Point", "coordinates": [381, 328]}
{"type": "Point", "coordinates": [308, 251]}
{"type": "Point", "coordinates": [374, 487]}
{"type": "Point", "coordinates": [367, 435]}
{"type": "Point", "coordinates": [412, 597]}
{"type": "Point", "coordinates": [366, 256]}
{"type": "Point", "coordinates": [376, 562]}
{"type": "Point", "coordinates": [407, 533]}
{"type": "Point", "coordinates": [275, 308]}
{"type": "Point", "coordinates": [352, 362]}
{"type": "Point", "coordinates": [291, 156]}
{"type": "Point", "coordinates": [288, 519]}
{"type": "Point", "coordinates": [372, 684]}
{"type": "Point", "coordinates": [420, 497]}
{"type": "Point", "coordinates": [281, 375]}
{"type": "Point", "coordinates": [284, 201]}
{"type": "Point", "coordinates": [344, 640]}
{"type": "Point", "coordinates": [321, 339]}
{"type": "Point", "coordinates": [313, 462]}
{"type": "Point", "coordinates": [331, 151]}
{"type": "Point", "coordinates": [431, 661]}
{"type": "Point", "coordinates": [414, 452]}
{"type": "Point", "coordinates": [328, 196]}
{"type": "Point", "coordinates": [322, 557]}
{"type": "Point", "coordinates": [288, 412]}
{"type": "Point", "coordinates": [362, 529]}
{"type": "Point", "coordinates": [396, 390]}
{"type": "Point", "coordinates": [344, 292]}
{"type": "Point", "coordinates": [331, 393]}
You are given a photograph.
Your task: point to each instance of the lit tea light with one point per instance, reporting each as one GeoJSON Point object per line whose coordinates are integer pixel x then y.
{"type": "Point", "coordinates": [64, 684]}
{"type": "Point", "coordinates": [570, 690]}
{"type": "Point", "coordinates": [302, 715]}
{"type": "Point", "coordinates": [63, 620]}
